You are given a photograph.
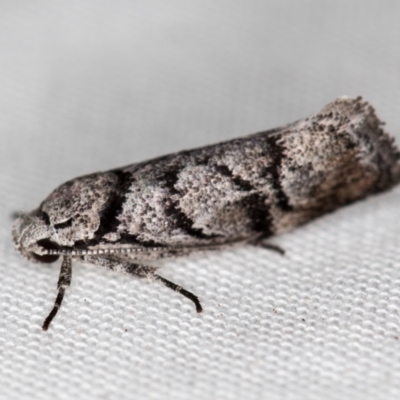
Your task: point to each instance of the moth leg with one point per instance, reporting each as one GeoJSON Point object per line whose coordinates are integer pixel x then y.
{"type": "Point", "coordinates": [141, 271]}
{"type": "Point", "coordinates": [64, 281]}
{"type": "Point", "coordinates": [260, 242]}
{"type": "Point", "coordinates": [180, 290]}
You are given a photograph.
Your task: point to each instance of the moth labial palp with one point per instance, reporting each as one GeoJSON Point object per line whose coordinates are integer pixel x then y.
{"type": "Point", "coordinates": [241, 191]}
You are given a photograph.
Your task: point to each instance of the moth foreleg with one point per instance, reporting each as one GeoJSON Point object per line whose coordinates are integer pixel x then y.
{"type": "Point", "coordinates": [64, 282]}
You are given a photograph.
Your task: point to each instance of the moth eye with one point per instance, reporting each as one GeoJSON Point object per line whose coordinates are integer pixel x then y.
{"type": "Point", "coordinates": [47, 258]}
{"type": "Point", "coordinates": [64, 225]}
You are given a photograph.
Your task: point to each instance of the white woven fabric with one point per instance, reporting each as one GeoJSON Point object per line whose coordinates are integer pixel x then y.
{"type": "Point", "coordinates": [89, 85]}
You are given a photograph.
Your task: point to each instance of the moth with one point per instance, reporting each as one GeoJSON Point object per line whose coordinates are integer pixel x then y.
{"type": "Point", "coordinates": [236, 192]}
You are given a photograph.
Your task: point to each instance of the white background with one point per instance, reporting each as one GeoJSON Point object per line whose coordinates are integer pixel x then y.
{"type": "Point", "coordinates": [91, 85]}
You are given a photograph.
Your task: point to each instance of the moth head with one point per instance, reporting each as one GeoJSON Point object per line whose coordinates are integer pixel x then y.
{"type": "Point", "coordinates": [31, 236]}
{"type": "Point", "coordinates": [68, 217]}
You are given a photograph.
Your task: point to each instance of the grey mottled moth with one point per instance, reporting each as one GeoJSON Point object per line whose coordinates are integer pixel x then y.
{"type": "Point", "coordinates": [237, 192]}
